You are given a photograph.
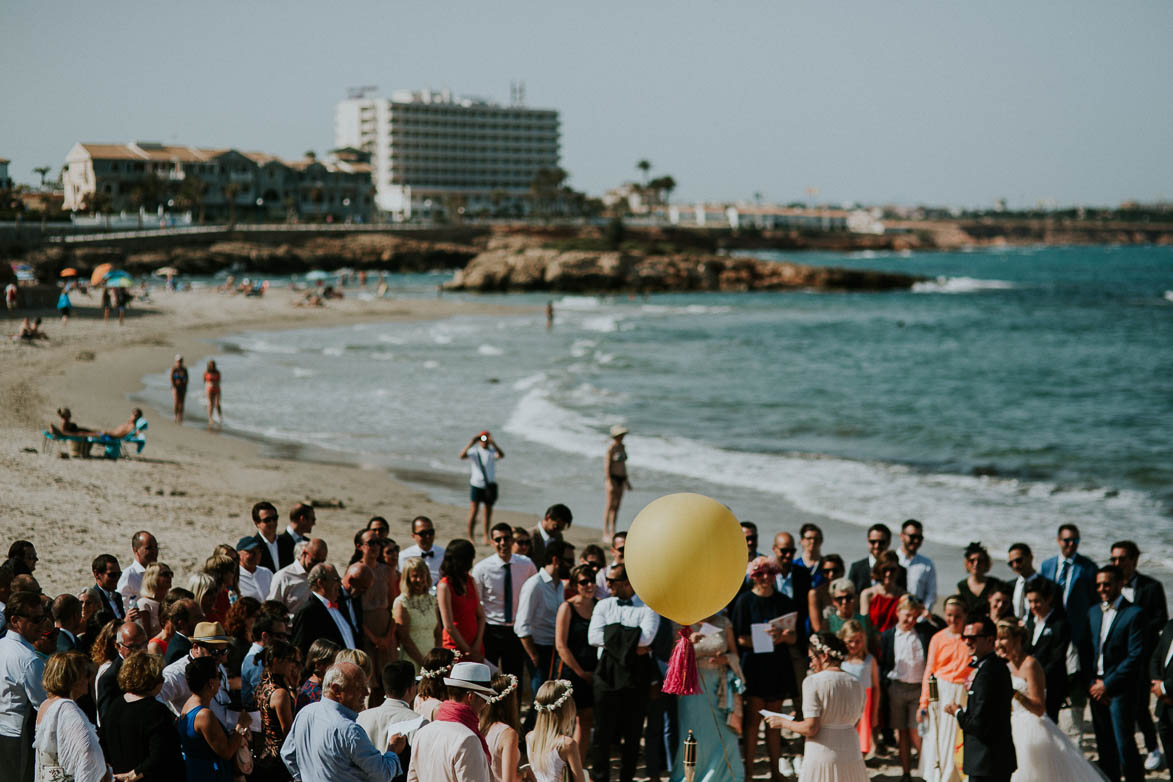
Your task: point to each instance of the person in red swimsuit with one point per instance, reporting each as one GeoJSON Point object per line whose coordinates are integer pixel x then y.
{"type": "Point", "coordinates": [878, 602]}
{"type": "Point", "coordinates": [212, 388]}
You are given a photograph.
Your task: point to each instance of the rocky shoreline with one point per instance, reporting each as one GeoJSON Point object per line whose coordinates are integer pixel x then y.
{"type": "Point", "coordinates": [516, 265]}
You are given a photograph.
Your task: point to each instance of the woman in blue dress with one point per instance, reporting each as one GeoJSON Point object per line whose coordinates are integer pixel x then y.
{"type": "Point", "coordinates": [714, 715]}
{"type": "Point", "coordinates": [207, 748]}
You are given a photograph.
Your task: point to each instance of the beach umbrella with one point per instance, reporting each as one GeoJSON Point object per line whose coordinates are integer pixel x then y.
{"type": "Point", "coordinates": [165, 271]}
{"type": "Point", "coordinates": [69, 272]}
{"type": "Point", "coordinates": [123, 281]}
{"type": "Point", "coordinates": [316, 275]}
{"type": "Point", "coordinates": [23, 272]}
{"type": "Point", "coordinates": [100, 272]}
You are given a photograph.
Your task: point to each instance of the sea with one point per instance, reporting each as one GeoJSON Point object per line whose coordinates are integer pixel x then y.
{"type": "Point", "coordinates": [1014, 389]}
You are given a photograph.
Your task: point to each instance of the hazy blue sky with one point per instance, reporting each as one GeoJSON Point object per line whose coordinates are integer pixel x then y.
{"type": "Point", "coordinates": [925, 101]}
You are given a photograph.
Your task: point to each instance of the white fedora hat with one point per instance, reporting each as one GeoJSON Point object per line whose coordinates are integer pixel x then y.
{"type": "Point", "coordinates": [471, 676]}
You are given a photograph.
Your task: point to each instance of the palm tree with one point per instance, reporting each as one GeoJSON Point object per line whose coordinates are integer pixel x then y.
{"type": "Point", "coordinates": [191, 195]}
{"type": "Point", "coordinates": [231, 190]}
{"type": "Point", "coordinates": [644, 166]}
{"type": "Point", "coordinates": [43, 171]}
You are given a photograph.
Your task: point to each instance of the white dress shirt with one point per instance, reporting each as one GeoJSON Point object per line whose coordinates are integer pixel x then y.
{"type": "Point", "coordinates": [272, 547]}
{"type": "Point", "coordinates": [1129, 590]}
{"type": "Point", "coordinates": [175, 692]}
{"type": "Point", "coordinates": [339, 620]}
{"type": "Point", "coordinates": [1106, 627]}
{"type": "Point", "coordinates": [541, 595]}
{"type": "Point", "coordinates": [255, 584]}
{"type": "Point", "coordinates": [297, 538]}
{"type": "Point", "coordinates": [922, 576]}
{"type": "Point", "coordinates": [118, 613]}
{"type": "Point", "coordinates": [291, 586]}
{"type": "Point", "coordinates": [910, 657]}
{"type": "Point", "coordinates": [21, 690]}
{"type": "Point", "coordinates": [130, 583]}
{"type": "Point", "coordinates": [1040, 625]}
{"type": "Point", "coordinates": [489, 576]}
{"type": "Point", "coordinates": [433, 557]}
{"type": "Point", "coordinates": [609, 612]}
{"type": "Point", "coordinates": [1019, 599]}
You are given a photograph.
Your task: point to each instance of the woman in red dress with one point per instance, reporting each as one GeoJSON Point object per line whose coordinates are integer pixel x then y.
{"type": "Point", "coordinates": [878, 602]}
{"type": "Point", "coordinates": [461, 612]}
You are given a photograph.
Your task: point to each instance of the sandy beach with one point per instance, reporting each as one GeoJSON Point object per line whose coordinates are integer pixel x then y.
{"type": "Point", "coordinates": [194, 488]}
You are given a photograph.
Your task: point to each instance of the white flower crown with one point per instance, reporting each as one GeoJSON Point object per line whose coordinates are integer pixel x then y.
{"type": "Point", "coordinates": [562, 700]}
{"type": "Point", "coordinates": [505, 693]}
{"type": "Point", "coordinates": [437, 673]}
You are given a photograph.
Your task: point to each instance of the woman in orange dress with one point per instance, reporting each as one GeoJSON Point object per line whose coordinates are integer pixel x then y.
{"type": "Point", "coordinates": [461, 612]}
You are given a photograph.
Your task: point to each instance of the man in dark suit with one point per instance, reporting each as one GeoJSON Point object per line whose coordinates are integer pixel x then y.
{"type": "Point", "coordinates": [130, 639]}
{"type": "Point", "coordinates": [1110, 658]}
{"type": "Point", "coordinates": [860, 573]}
{"type": "Point", "coordinates": [67, 619]}
{"type": "Point", "coordinates": [1048, 636]}
{"type": "Point", "coordinates": [988, 753]}
{"type": "Point", "coordinates": [795, 583]}
{"type": "Point", "coordinates": [184, 615]}
{"type": "Point", "coordinates": [106, 574]}
{"type": "Point", "coordinates": [321, 616]}
{"type": "Point", "coordinates": [558, 517]}
{"type": "Point", "coordinates": [1075, 576]}
{"type": "Point", "coordinates": [1148, 595]}
{"type": "Point", "coordinates": [301, 523]}
{"type": "Point", "coordinates": [276, 550]}
{"type": "Point", "coordinates": [1161, 686]}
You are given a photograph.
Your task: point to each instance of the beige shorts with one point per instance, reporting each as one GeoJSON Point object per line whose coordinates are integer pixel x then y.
{"type": "Point", "coordinates": [903, 700]}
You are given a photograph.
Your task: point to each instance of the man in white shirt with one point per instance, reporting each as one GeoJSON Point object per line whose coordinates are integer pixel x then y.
{"type": "Point", "coordinates": [423, 532]}
{"type": "Point", "coordinates": [321, 616]}
{"type": "Point", "coordinates": [537, 610]}
{"type": "Point", "coordinates": [451, 748]}
{"type": "Point", "coordinates": [255, 579]}
{"type": "Point", "coordinates": [399, 686]}
{"type": "Point", "coordinates": [208, 640]}
{"type": "Point", "coordinates": [1021, 560]}
{"type": "Point", "coordinates": [482, 453]}
{"type": "Point", "coordinates": [146, 550]}
{"type": "Point", "coordinates": [919, 569]}
{"type": "Point", "coordinates": [499, 579]}
{"type": "Point", "coordinates": [21, 689]}
{"type": "Point", "coordinates": [623, 628]}
{"type": "Point", "coordinates": [290, 585]}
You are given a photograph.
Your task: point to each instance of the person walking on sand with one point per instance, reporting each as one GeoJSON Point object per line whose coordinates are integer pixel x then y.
{"type": "Point", "coordinates": [212, 389]}
{"type": "Point", "coordinates": [483, 452]}
{"type": "Point", "coordinates": [616, 474]}
{"type": "Point", "coordinates": [178, 387]}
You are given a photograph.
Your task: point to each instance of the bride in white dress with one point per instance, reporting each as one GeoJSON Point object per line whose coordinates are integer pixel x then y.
{"type": "Point", "coordinates": [1044, 751]}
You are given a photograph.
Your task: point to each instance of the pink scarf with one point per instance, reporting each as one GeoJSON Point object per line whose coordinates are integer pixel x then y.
{"type": "Point", "coordinates": [451, 711]}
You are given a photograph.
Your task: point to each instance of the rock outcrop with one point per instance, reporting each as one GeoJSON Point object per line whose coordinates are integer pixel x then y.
{"type": "Point", "coordinates": [517, 265]}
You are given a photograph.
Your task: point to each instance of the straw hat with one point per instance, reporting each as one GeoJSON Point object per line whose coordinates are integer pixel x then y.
{"type": "Point", "coordinates": [618, 430]}
{"type": "Point", "coordinates": [471, 676]}
{"type": "Point", "coordinates": [209, 634]}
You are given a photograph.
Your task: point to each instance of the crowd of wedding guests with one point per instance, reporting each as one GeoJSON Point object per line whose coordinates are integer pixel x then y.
{"type": "Point", "coordinates": [276, 661]}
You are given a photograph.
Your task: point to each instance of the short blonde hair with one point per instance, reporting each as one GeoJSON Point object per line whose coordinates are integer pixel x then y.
{"type": "Point", "coordinates": [151, 578]}
{"type": "Point", "coordinates": [410, 566]}
{"type": "Point", "coordinates": [359, 658]}
{"type": "Point", "coordinates": [63, 671]}
{"type": "Point", "coordinates": [140, 673]}
{"type": "Point", "coordinates": [909, 600]}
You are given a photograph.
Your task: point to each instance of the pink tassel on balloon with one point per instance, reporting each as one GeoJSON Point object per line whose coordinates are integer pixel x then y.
{"type": "Point", "coordinates": [682, 677]}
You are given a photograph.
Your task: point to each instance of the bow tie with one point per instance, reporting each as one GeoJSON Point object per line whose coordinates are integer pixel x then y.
{"type": "Point", "coordinates": [1105, 607]}
{"type": "Point", "coordinates": [333, 604]}
{"type": "Point", "coordinates": [974, 662]}
{"type": "Point", "coordinates": [427, 554]}
{"type": "Point", "coordinates": [623, 601]}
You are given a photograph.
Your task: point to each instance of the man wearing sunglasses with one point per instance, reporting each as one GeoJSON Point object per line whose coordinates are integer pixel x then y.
{"type": "Point", "coordinates": [860, 573]}
{"type": "Point", "coordinates": [1021, 560]}
{"type": "Point", "coordinates": [130, 639]}
{"type": "Point", "coordinates": [499, 578]}
{"type": "Point", "coordinates": [208, 640]}
{"type": "Point", "coordinates": [988, 752]}
{"type": "Point", "coordinates": [1075, 576]}
{"type": "Point", "coordinates": [21, 689]}
{"type": "Point", "coordinates": [919, 569]}
{"type": "Point", "coordinates": [423, 532]}
{"type": "Point", "coordinates": [618, 546]}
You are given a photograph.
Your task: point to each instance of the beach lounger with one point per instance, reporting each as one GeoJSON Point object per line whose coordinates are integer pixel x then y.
{"type": "Point", "coordinates": [111, 446]}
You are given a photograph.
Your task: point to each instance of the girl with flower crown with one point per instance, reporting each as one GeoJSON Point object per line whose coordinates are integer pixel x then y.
{"type": "Point", "coordinates": [551, 744]}
{"type": "Point", "coordinates": [432, 692]}
{"type": "Point", "coordinates": [499, 724]}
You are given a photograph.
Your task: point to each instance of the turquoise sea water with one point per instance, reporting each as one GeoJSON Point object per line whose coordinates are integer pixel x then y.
{"type": "Point", "coordinates": [1018, 389]}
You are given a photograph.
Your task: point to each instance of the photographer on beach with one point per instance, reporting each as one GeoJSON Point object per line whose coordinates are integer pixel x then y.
{"type": "Point", "coordinates": [483, 451]}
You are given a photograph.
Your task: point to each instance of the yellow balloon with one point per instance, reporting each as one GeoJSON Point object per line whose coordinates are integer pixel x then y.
{"type": "Point", "coordinates": [685, 556]}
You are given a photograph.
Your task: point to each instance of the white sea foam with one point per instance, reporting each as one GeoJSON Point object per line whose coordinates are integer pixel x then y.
{"type": "Point", "coordinates": [302, 372]}
{"type": "Point", "coordinates": [431, 364]}
{"type": "Point", "coordinates": [955, 508]}
{"type": "Point", "coordinates": [601, 323]}
{"type": "Point", "coordinates": [1168, 295]}
{"type": "Point", "coordinates": [959, 285]}
{"type": "Point", "coordinates": [393, 339]}
{"type": "Point", "coordinates": [332, 351]}
{"type": "Point", "coordinates": [581, 347]}
{"type": "Point", "coordinates": [579, 303]}
{"type": "Point", "coordinates": [264, 346]}
{"type": "Point", "coordinates": [442, 339]}
{"type": "Point", "coordinates": [490, 350]}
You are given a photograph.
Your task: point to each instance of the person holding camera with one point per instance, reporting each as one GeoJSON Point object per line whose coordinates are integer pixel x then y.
{"type": "Point", "coordinates": [482, 452]}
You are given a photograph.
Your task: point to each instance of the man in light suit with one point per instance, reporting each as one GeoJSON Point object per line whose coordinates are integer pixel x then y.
{"type": "Point", "coordinates": [1075, 576]}
{"type": "Point", "coordinates": [1110, 658]}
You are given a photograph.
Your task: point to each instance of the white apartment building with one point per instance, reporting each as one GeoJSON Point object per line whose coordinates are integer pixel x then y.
{"type": "Point", "coordinates": [430, 150]}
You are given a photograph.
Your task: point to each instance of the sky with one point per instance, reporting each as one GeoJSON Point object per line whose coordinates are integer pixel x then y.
{"type": "Point", "coordinates": [908, 102]}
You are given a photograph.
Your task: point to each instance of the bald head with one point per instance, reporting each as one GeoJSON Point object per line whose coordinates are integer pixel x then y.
{"type": "Point", "coordinates": [358, 579]}
{"type": "Point", "coordinates": [145, 547]}
{"type": "Point", "coordinates": [26, 583]}
{"type": "Point", "coordinates": [131, 639]}
{"type": "Point", "coordinates": [784, 550]}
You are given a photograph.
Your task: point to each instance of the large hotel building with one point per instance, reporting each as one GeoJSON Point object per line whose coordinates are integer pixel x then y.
{"type": "Point", "coordinates": [430, 150]}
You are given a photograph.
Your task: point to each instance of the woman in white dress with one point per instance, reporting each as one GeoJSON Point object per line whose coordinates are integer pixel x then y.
{"type": "Point", "coordinates": [65, 739]}
{"type": "Point", "coordinates": [1043, 750]}
{"type": "Point", "coordinates": [832, 702]}
{"type": "Point", "coordinates": [553, 752]}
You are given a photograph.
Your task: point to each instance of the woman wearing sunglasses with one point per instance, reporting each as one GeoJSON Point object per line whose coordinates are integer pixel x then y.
{"type": "Point", "coordinates": [576, 657]}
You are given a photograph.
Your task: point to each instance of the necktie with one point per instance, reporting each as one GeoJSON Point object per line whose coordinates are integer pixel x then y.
{"type": "Point", "coordinates": [427, 554]}
{"type": "Point", "coordinates": [1063, 573]}
{"type": "Point", "coordinates": [623, 601]}
{"type": "Point", "coordinates": [508, 593]}
{"type": "Point", "coordinates": [116, 599]}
